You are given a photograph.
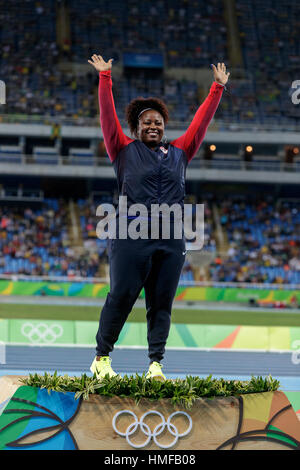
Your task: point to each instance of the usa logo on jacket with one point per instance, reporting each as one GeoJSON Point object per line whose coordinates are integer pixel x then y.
{"type": "Point", "coordinates": [163, 150]}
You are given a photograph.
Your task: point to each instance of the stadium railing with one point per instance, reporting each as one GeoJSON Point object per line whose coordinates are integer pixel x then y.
{"type": "Point", "coordinates": [218, 124]}
{"type": "Point", "coordinates": [226, 164]}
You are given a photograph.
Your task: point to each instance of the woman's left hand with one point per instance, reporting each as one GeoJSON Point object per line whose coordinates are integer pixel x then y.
{"type": "Point", "coordinates": [220, 74]}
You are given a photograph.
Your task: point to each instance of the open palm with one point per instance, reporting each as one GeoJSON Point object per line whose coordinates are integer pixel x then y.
{"type": "Point", "coordinates": [99, 63]}
{"type": "Point", "coordinates": [220, 74]}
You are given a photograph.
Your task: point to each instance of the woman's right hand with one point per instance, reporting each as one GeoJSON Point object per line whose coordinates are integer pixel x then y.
{"type": "Point", "coordinates": [100, 64]}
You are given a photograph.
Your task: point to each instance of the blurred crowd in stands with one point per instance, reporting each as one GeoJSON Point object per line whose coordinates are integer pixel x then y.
{"type": "Point", "coordinates": [188, 33]}
{"type": "Point", "coordinates": [269, 39]}
{"type": "Point", "coordinates": [37, 242]}
{"type": "Point", "coordinates": [262, 237]}
{"type": "Point", "coordinates": [264, 242]}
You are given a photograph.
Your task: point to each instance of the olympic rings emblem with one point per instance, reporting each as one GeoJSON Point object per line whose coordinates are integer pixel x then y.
{"type": "Point", "coordinates": [42, 333]}
{"type": "Point", "coordinates": [157, 430]}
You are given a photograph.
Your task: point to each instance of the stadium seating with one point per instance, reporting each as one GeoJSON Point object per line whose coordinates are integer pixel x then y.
{"type": "Point", "coordinates": [48, 91]}
{"type": "Point", "coordinates": [271, 55]}
{"type": "Point", "coordinates": [46, 155]}
{"type": "Point", "coordinates": [79, 156]}
{"type": "Point", "coordinates": [10, 154]}
{"type": "Point", "coordinates": [188, 34]}
{"type": "Point", "coordinates": [36, 242]}
{"type": "Point", "coordinates": [263, 239]}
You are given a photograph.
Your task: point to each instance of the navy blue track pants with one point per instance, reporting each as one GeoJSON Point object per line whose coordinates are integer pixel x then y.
{"type": "Point", "coordinates": [153, 264]}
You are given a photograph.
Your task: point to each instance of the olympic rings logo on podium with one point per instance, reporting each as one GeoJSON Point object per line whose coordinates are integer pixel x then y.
{"type": "Point", "coordinates": [42, 333]}
{"type": "Point", "coordinates": [131, 429]}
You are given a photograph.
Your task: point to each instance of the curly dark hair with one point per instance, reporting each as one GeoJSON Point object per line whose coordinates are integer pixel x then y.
{"type": "Point", "coordinates": [137, 105]}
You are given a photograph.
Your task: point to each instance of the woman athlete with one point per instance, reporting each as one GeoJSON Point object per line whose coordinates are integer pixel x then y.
{"type": "Point", "coordinates": [148, 172]}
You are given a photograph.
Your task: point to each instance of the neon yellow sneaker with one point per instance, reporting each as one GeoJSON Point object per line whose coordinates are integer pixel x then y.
{"type": "Point", "coordinates": [102, 367]}
{"type": "Point", "coordinates": [155, 372]}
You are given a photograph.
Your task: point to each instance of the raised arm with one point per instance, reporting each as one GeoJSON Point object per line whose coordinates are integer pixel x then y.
{"type": "Point", "coordinates": [191, 140]}
{"type": "Point", "coordinates": [114, 137]}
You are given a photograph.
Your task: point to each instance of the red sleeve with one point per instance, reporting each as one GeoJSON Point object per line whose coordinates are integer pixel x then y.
{"type": "Point", "coordinates": [191, 140]}
{"type": "Point", "coordinates": [114, 137]}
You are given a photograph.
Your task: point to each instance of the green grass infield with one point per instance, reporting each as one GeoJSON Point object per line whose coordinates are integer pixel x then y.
{"type": "Point", "coordinates": [189, 316]}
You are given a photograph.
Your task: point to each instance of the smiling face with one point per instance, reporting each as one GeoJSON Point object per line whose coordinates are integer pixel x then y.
{"type": "Point", "coordinates": [150, 128]}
